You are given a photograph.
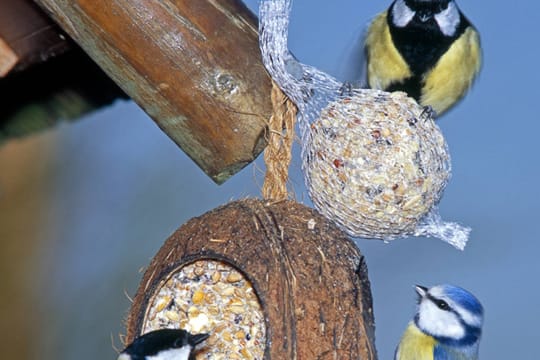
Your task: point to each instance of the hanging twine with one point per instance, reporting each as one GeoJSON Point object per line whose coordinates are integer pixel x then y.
{"type": "Point", "coordinates": [277, 155]}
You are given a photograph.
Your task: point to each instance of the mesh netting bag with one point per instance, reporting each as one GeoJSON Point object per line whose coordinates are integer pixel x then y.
{"type": "Point", "coordinates": [374, 162]}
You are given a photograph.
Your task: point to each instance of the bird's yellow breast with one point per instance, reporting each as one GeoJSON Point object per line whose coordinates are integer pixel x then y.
{"type": "Point", "coordinates": [454, 73]}
{"type": "Point", "coordinates": [415, 345]}
{"type": "Point", "coordinates": [443, 85]}
{"type": "Point", "coordinates": [385, 63]}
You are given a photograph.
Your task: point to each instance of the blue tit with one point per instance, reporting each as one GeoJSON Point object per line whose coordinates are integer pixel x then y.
{"type": "Point", "coordinates": [163, 344]}
{"type": "Point", "coordinates": [447, 326]}
{"type": "Point", "coordinates": [426, 48]}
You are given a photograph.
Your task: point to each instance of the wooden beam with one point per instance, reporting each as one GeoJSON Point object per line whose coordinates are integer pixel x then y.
{"type": "Point", "coordinates": [193, 66]}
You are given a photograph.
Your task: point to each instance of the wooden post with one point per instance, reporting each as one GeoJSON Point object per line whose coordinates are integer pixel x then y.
{"type": "Point", "coordinates": [193, 66]}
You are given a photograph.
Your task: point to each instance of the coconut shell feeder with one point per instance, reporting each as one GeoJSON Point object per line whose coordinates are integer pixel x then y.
{"type": "Point", "coordinates": [268, 280]}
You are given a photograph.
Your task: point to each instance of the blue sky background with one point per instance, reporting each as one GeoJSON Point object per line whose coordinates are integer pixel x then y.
{"type": "Point", "coordinates": [121, 187]}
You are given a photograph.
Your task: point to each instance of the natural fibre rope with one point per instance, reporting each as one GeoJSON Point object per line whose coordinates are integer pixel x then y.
{"type": "Point", "coordinates": [277, 155]}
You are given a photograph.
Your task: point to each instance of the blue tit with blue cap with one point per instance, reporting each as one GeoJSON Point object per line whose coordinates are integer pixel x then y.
{"type": "Point", "coordinates": [447, 326]}
{"type": "Point", "coordinates": [163, 344]}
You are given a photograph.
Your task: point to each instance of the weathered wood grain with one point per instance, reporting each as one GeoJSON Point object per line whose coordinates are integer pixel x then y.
{"type": "Point", "coordinates": [193, 66]}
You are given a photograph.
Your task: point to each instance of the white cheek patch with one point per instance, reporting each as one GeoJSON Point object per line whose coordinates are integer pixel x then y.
{"type": "Point", "coordinates": [401, 14]}
{"type": "Point", "coordinates": [469, 318]}
{"type": "Point", "coordinates": [448, 20]}
{"type": "Point", "coordinates": [439, 323]}
{"type": "Point", "coordinates": [172, 354]}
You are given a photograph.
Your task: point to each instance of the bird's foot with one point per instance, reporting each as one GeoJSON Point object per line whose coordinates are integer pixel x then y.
{"type": "Point", "coordinates": [428, 113]}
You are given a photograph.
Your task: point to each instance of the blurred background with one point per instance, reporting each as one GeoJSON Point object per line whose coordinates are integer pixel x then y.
{"type": "Point", "coordinates": [84, 207]}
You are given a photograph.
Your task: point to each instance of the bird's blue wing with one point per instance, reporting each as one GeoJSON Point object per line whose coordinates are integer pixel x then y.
{"type": "Point", "coordinates": [441, 353]}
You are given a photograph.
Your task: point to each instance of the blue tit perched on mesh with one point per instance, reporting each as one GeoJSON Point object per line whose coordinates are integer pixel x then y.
{"type": "Point", "coordinates": [426, 48]}
{"type": "Point", "coordinates": [163, 344]}
{"type": "Point", "coordinates": [447, 326]}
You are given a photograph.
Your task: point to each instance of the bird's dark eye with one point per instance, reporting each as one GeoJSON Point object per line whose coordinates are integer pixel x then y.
{"type": "Point", "coordinates": [178, 343]}
{"type": "Point", "coordinates": [443, 305]}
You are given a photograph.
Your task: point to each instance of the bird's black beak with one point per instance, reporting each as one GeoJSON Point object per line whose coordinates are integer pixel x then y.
{"type": "Point", "coordinates": [424, 15]}
{"type": "Point", "coordinates": [197, 339]}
